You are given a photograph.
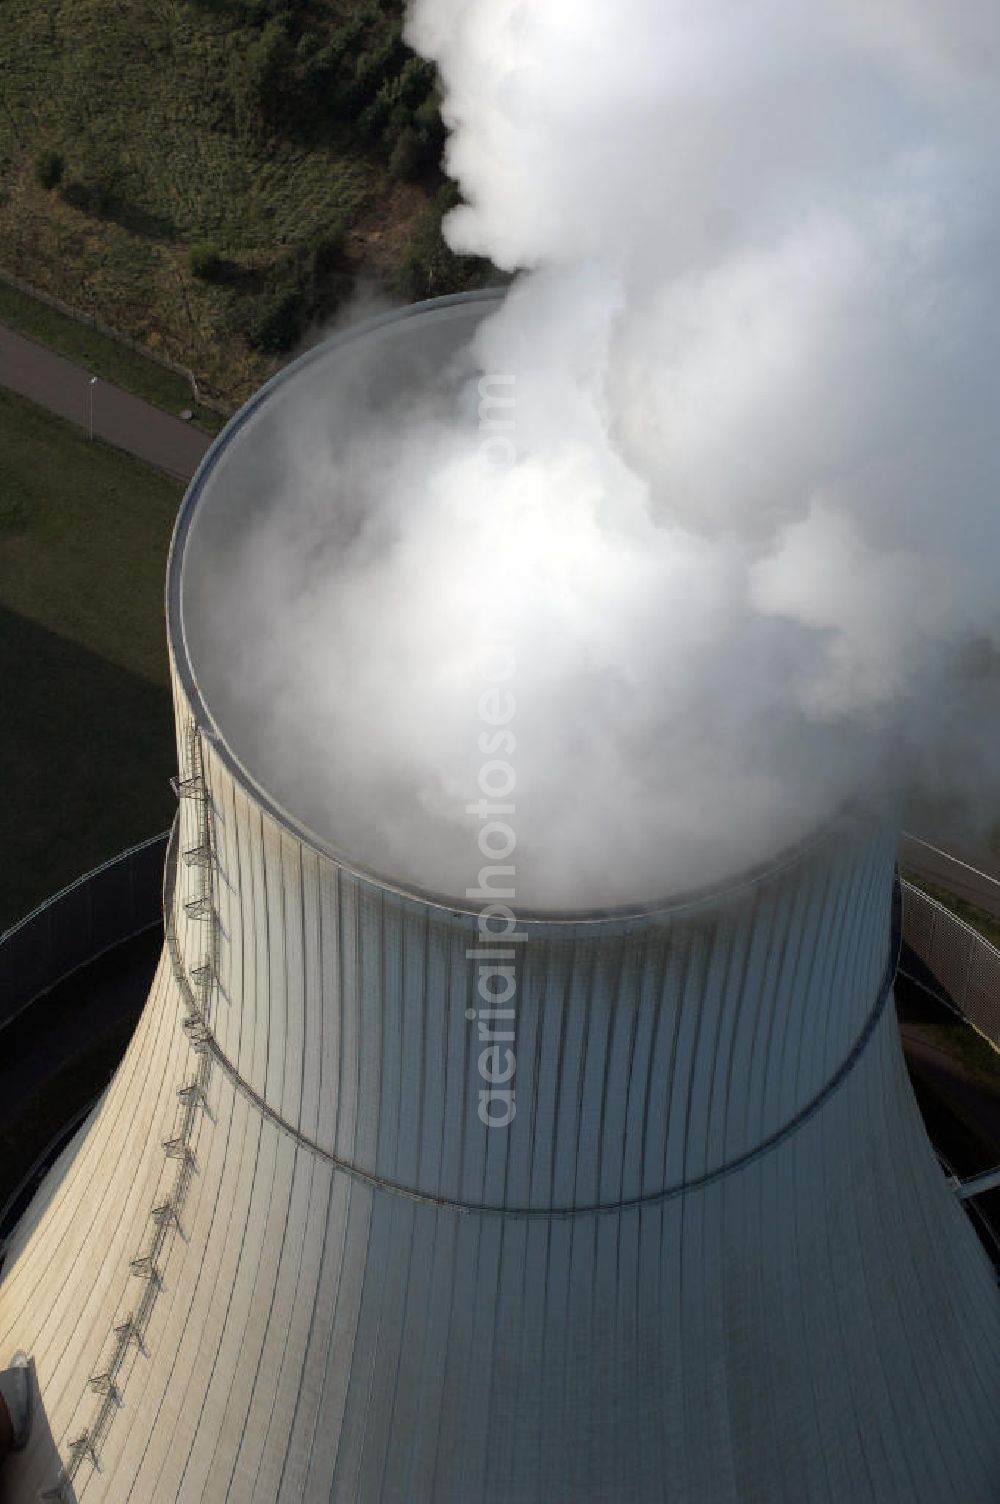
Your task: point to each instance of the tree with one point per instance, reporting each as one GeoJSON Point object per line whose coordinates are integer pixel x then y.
{"type": "Point", "coordinates": [273, 322]}
{"type": "Point", "coordinates": [49, 169]}
{"type": "Point", "coordinates": [205, 261]}
{"type": "Point", "coordinates": [258, 78]}
{"type": "Point", "coordinates": [408, 157]}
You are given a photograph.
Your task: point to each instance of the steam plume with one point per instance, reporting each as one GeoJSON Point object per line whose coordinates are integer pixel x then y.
{"type": "Point", "coordinates": [746, 551]}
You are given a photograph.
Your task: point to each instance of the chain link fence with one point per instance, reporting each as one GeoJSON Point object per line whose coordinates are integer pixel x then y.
{"type": "Point", "coordinates": [124, 897]}
{"type": "Point", "coordinates": [951, 960]}
{"type": "Point", "coordinates": [213, 404]}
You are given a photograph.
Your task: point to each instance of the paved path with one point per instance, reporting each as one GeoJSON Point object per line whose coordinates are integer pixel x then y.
{"type": "Point", "coordinates": [119, 418]}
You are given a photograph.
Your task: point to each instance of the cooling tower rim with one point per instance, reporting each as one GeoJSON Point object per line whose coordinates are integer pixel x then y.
{"type": "Point", "coordinates": [538, 920]}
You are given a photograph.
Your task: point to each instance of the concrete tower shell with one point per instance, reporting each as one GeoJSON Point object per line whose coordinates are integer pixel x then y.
{"type": "Point", "coordinates": [712, 1259]}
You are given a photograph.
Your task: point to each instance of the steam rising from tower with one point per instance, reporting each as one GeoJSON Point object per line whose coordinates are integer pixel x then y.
{"type": "Point", "coordinates": [741, 527]}
{"type": "Point", "coordinates": [741, 535]}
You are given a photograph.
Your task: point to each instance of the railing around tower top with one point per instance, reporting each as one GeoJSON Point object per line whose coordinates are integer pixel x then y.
{"type": "Point", "coordinates": [952, 961]}
{"type": "Point", "coordinates": [100, 910]}
{"type": "Point", "coordinates": [126, 896]}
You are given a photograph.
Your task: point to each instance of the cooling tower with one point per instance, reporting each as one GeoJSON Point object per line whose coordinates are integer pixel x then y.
{"type": "Point", "coordinates": [712, 1258]}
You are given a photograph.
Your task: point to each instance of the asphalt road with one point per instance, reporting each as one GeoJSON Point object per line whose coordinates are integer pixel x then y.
{"type": "Point", "coordinates": [119, 418]}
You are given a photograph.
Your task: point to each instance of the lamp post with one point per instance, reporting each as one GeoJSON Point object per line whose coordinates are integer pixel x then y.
{"type": "Point", "coordinates": [90, 404]}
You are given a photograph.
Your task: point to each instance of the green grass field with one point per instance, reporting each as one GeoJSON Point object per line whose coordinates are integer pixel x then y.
{"type": "Point", "coordinates": [264, 129]}
{"type": "Point", "coordinates": [86, 745]}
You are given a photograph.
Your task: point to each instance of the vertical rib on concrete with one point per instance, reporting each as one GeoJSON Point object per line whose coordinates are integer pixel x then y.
{"type": "Point", "coordinates": [711, 1261]}
{"type": "Point", "coordinates": [716, 1259]}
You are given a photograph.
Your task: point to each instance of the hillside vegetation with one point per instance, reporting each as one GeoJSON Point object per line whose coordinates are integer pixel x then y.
{"type": "Point", "coordinates": [213, 177]}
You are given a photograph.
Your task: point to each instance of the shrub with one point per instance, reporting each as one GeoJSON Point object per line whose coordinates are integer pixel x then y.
{"type": "Point", "coordinates": [259, 76]}
{"type": "Point", "coordinates": [427, 116]}
{"type": "Point", "coordinates": [409, 155]}
{"type": "Point", "coordinates": [378, 65]}
{"type": "Point", "coordinates": [273, 321]}
{"type": "Point", "coordinates": [77, 195]}
{"type": "Point", "coordinates": [325, 251]}
{"type": "Point", "coordinates": [205, 261]}
{"type": "Point", "coordinates": [49, 169]}
{"type": "Point", "coordinates": [431, 267]}
{"type": "Point", "coordinates": [100, 187]}
{"type": "Point", "coordinates": [374, 118]}
{"type": "Point", "coordinates": [415, 81]}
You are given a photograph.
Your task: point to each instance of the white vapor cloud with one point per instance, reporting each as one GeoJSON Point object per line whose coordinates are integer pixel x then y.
{"type": "Point", "coordinates": [748, 549]}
